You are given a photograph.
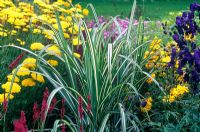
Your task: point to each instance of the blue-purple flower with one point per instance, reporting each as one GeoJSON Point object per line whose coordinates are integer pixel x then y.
{"type": "Point", "coordinates": [189, 54]}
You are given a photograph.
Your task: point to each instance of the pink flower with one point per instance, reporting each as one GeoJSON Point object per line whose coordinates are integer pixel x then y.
{"type": "Point", "coordinates": [16, 61]}
{"type": "Point", "coordinates": [63, 127]}
{"type": "Point", "coordinates": [44, 104]}
{"type": "Point", "coordinates": [20, 125]}
{"type": "Point", "coordinates": [106, 34]}
{"type": "Point", "coordinates": [62, 110]}
{"type": "Point", "coordinates": [52, 106]}
{"type": "Point", "coordinates": [62, 114]}
{"type": "Point", "coordinates": [5, 104]}
{"type": "Point", "coordinates": [89, 108]}
{"type": "Point", "coordinates": [80, 107]}
{"type": "Point", "coordinates": [36, 112]}
{"type": "Point", "coordinates": [81, 128]}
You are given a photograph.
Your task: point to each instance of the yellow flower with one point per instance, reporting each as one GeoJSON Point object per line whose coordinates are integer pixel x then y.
{"type": "Point", "coordinates": [29, 82]}
{"type": "Point", "coordinates": [14, 89]}
{"type": "Point", "coordinates": [146, 104]}
{"type": "Point", "coordinates": [182, 89]}
{"type": "Point", "coordinates": [76, 42]}
{"type": "Point", "coordinates": [177, 65]}
{"type": "Point", "coordinates": [70, 1]}
{"type": "Point", "coordinates": [155, 44]}
{"type": "Point", "coordinates": [53, 62]}
{"type": "Point", "coordinates": [176, 93]}
{"type": "Point", "coordinates": [67, 4]}
{"type": "Point", "coordinates": [21, 42]}
{"type": "Point", "coordinates": [66, 35]}
{"type": "Point", "coordinates": [150, 80]}
{"type": "Point", "coordinates": [189, 37]}
{"type": "Point", "coordinates": [68, 18]}
{"type": "Point", "coordinates": [54, 50]}
{"type": "Point", "coordinates": [77, 55]}
{"type": "Point", "coordinates": [85, 12]}
{"type": "Point", "coordinates": [29, 63]}
{"type": "Point", "coordinates": [39, 2]}
{"type": "Point", "coordinates": [37, 77]}
{"type": "Point", "coordinates": [5, 96]}
{"type": "Point", "coordinates": [155, 58]}
{"type": "Point", "coordinates": [23, 71]}
{"type": "Point", "coordinates": [146, 54]}
{"type": "Point", "coordinates": [47, 1]}
{"type": "Point", "coordinates": [149, 65]}
{"type": "Point", "coordinates": [180, 78]}
{"type": "Point", "coordinates": [3, 34]}
{"type": "Point", "coordinates": [36, 31]}
{"type": "Point", "coordinates": [78, 6]}
{"type": "Point", "coordinates": [74, 29]}
{"type": "Point", "coordinates": [166, 59]}
{"type": "Point", "coordinates": [13, 32]}
{"type": "Point", "coordinates": [10, 77]}
{"type": "Point", "coordinates": [25, 29]}
{"type": "Point", "coordinates": [168, 98]}
{"type": "Point", "coordinates": [36, 46]}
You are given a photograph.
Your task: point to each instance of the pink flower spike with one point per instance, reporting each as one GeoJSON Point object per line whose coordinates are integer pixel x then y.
{"type": "Point", "coordinates": [81, 128]}
{"type": "Point", "coordinates": [62, 110]}
{"type": "Point", "coordinates": [53, 104]}
{"type": "Point", "coordinates": [36, 112]}
{"type": "Point", "coordinates": [63, 127]}
{"type": "Point", "coordinates": [16, 61]}
{"type": "Point", "coordinates": [80, 107]}
{"type": "Point", "coordinates": [89, 108]}
{"type": "Point", "coordinates": [5, 104]}
{"type": "Point", "coordinates": [44, 104]}
{"type": "Point", "coordinates": [20, 125]}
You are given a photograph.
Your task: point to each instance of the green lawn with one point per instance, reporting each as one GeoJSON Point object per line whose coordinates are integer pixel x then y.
{"type": "Point", "coordinates": [153, 10]}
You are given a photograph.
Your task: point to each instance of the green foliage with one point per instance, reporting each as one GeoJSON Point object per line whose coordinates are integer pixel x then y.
{"type": "Point", "coordinates": [156, 10]}
{"type": "Point", "coordinates": [180, 116]}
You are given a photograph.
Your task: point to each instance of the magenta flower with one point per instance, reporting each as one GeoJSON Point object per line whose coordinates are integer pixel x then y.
{"type": "Point", "coordinates": [80, 107]}
{"type": "Point", "coordinates": [20, 125]}
{"type": "Point", "coordinates": [62, 114]}
{"type": "Point", "coordinates": [62, 110]}
{"type": "Point", "coordinates": [5, 104]}
{"type": "Point", "coordinates": [16, 61]}
{"type": "Point", "coordinates": [89, 108]}
{"type": "Point", "coordinates": [36, 112]}
{"type": "Point", "coordinates": [53, 104]}
{"type": "Point", "coordinates": [44, 104]}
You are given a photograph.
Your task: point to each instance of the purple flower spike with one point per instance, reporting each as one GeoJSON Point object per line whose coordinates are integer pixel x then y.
{"type": "Point", "coordinates": [178, 21]}
{"type": "Point", "coordinates": [176, 37]}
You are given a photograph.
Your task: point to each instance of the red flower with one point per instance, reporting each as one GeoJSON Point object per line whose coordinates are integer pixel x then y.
{"type": "Point", "coordinates": [16, 61]}
{"type": "Point", "coordinates": [5, 104]}
{"type": "Point", "coordinates": [23, 118]}
{"type": "Point", "coordinates": [63, 127]}
{"type": "Point", "coordinates": [20, 125]}
{"type": "Point", "coordinates": [36, 112]}
{"type": "Point", "coordinates": [80, 107]}
{"type": "Point", "coordinates": [52, 106]}
{"type": "Point", "coordinates": [44, 104]}
{"type": "Point", "coordinates": [89, 108]}
{"type": "Point", "coordinates": [62, 114]}
{"type": "Point", "coordinates": [81, 128]}
{"type": "Point", "coordinates": [62, 110]}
